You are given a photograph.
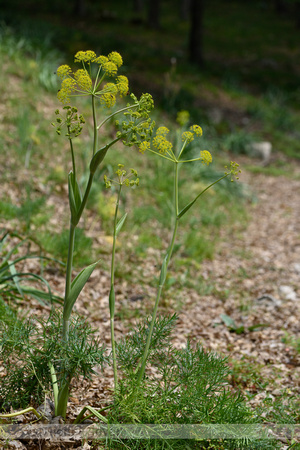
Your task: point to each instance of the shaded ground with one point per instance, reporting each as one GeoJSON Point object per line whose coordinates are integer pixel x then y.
{"type": "Point", "coordinates": [253, 279]}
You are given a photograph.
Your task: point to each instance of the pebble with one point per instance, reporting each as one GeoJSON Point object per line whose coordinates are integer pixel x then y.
{"type": "Point", "coordinates": [288, 293]}
{"type": "Point", "coordinates": [261, 149]}
{"type": "Point", "coordinates": [297, 267]}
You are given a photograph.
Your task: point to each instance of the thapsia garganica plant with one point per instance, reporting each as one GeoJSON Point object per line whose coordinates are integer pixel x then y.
{"type": "Point", "coordinates": [134, 127]}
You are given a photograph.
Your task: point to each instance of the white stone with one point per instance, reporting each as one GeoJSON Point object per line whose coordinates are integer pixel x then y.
{"type": "Point", "coordinates": [297, 267]}
{"type": "Point", "coordinates": [288, 292]}
{"type": "Point", "coordinates": [261, 149]}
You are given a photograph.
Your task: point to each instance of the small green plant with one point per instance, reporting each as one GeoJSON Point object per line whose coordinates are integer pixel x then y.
{"type": "Point", "coordinates": [34, 355]}
{"type": "Point", "coordinates": [14, 252]}
{"type": "Point", "coordinates": [240, 328]}
{"type": "Point", "coordinates": [191, 385]}
{"type": "Point", "coordinates": [245, 374]}
{"type": "Point", "coordinates": [30, 210]}
{"type": "Point", "coordinates": [293, 341]}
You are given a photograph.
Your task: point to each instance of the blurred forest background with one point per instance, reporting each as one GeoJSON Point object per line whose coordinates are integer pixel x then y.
{"type": "Point", "coordinates": [231, 63]}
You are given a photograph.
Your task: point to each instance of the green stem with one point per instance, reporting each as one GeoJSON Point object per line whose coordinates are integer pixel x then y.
{"type": "Point", "coordinates": [86, 194]}
{"type": "Point", "coordinates": [112, 293]}
{"type": "Point", "coordinates": [63, 396]}
{"type": "Point", "coordinates": [182, 148]}
{"type": "Point", "coordinates": [54, 386]}
{"type": "Point", "coordinates": [66, 322]}
{"type": "Point", "coordinates": [19, 413]}
{"type": "Point", "coordinates": [95, 143]}
{"type": "Point", "coordinates": [72, 154]}
{"type": "Point", "coordinates": [162, 280]}
{"type": "Point", "coordinates": [115, 113]}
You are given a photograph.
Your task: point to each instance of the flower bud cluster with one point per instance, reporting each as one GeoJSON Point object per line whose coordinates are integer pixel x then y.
{"type": "Point", "coordinates": [73, 122]}
{"type": "Point", "coordinates": [124, 178]}
{"type": "Point", "coordinates": [233, 170]}
{"type": "Point", "coordinates": [137, 126]}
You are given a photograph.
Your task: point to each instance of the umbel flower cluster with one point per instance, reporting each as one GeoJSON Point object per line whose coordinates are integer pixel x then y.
{"type": "Point", "coordinates": [73, 121]}
{"type": "Point", "coordinates": [163, 147]}
{"type": "Point", "coordinates": [136, 125]}
{"type": "Point", "coordinates": [80, 82]}
{"type": "Point", "coordinates": [123, 178]}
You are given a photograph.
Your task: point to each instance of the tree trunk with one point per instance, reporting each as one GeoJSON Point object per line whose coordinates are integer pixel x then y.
{"type": "Point", "coordinates": [297, 14]}
{"type": "Point", "coordinates": [153, 13]}
{"type": "Point", "coordinates": [196, 32]}
{"type": "Point", "coordinates": [280, 6]}
{"type": "Point", "coordinates": [79, 8]}
{"type": "Point", "coordinates": [185, 9]}
{"type": "Point", "coordinates": [138, 6]}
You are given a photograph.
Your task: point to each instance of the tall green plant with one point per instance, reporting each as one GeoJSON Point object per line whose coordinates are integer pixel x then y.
{"type": "Point", "coordinates": [66, 356]}
{"type": "Point", "coordinates": [135, 127]}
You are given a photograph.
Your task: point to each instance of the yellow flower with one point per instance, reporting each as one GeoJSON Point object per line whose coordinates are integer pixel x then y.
{"type": "Point", "coordinates": [122, 85]}
{"type": "Point", "coordinates": [183, 117]}
{"type": "Point", "coordinates": [143, 146]}
{"type": "Point", "coordinates": [110, 88]}
{"type": "Point", "coordinates": [206, 157]}
{"type": "Point", "coordinates": [108, 100]}
{"type": "Point", "coordinates": [162, 144]}
{"type": "Point", "coordinates": [187, 136]}
{"type": "Point", "coordinates": [67, 86]}
{"type": "Point", "coordinates": [83, 79]}
{"type": "Point", "coordinates": [116, 58]}
{"type": "Point", "coordinates": [87, 56]}
{"type": "Point", "coordinates": [110, 68]}
{"type": "Point", "coordinates": [101, 60]}
{"type": "Point", "coordinates": [64, 71]}
{"type": "Point", "coordinates": [162, 131]}
{"type": "Point", "coordinates": [197, 130]}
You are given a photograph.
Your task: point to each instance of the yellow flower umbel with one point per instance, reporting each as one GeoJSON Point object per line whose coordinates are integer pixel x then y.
{"type": "Point", "coordinates": [163, 147]}
{"type": "Point", "coordinates": [189, 136]}
{"type": "Point", "coordinates": [87, 56]}
{"type": "Point", "coordinates": [160, 141]}
{"type": "Point", "coordinates": [183, 118]}
{"type": "Point", "coordinates": [205, 157]}
{"type": "Point", "coordinates": [143, 146]}
{"type": "Point", "coordinates": [80, 82]}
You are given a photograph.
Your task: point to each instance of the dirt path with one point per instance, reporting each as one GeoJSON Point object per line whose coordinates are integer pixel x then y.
{"type": "Point", "coordinates": [260, 272]}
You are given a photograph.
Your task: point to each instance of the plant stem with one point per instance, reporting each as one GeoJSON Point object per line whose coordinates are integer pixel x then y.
{"type": "Point", "coordinates": [86, 194]}
{"type": "Point", "coordinates": [72, 154]}
{"type": "Point", "coordinates": [95, 143]}
{"type": "Point", "coordinates": [115, 113]}
{"type": "Point", "coordinates": [54, 386]}
{"type": "Point", "coordinates": [162, 280]}
{"type": "Point", "coordinates": [112, 293]}
{"type": "Point", "coordinates": [63, 396]}
{"type": "Point", "coordinates": [65, 332]}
